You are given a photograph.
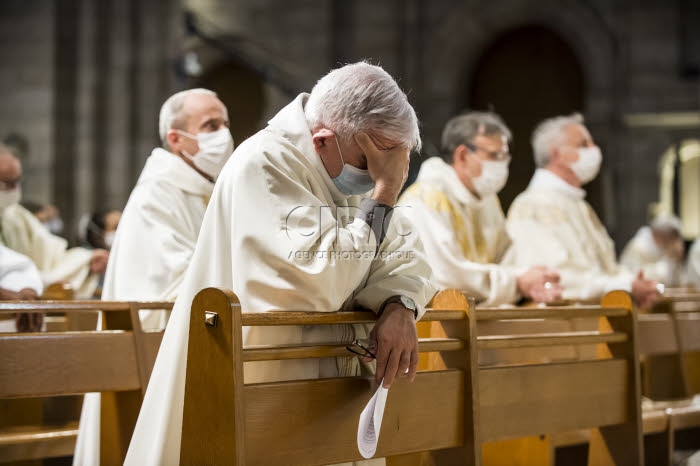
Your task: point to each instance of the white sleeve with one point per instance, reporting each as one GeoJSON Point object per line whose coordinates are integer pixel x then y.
{"type": "Point", "coordinates": [18, 272]}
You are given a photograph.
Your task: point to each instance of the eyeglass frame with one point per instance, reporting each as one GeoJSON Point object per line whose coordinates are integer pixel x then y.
{"type": "Point", "coordinates": [365, 345]}
{"type": "Point", "coordinates": [494, 156]}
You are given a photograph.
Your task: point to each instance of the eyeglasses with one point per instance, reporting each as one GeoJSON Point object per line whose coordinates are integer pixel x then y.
{"type": "Point", "coordinates": [10, 184]}
{"type": "Point", "coordinates": [498, 156]}
{"type": "Point", "coordinates": [362, 347]}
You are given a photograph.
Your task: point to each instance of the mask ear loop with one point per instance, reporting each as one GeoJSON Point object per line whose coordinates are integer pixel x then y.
{"type": "Point", "coordinates": [339, 151]}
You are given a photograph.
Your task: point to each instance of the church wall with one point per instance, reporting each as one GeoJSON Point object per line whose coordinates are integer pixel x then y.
{"type": "Point", "coordinates": [630, 53]}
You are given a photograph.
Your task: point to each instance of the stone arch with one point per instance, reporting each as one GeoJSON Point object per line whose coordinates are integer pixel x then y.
{"type": "Point", "coordinates": [452, 52]}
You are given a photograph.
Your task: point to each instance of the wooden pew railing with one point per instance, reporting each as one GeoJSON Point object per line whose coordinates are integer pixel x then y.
{"type": "Point", "coordinates": [314, 422]}
{"type": "Point", "coordinates": [669, 343]}
{"type": "Point", "coordinates": [454, 404]}
{"type": "Point", "coordinates": [117, 360]}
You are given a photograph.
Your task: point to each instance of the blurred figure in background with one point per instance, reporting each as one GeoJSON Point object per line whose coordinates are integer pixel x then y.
{"type": "Point", "coordinates": [455, 208]}
{"type": "Point", "coordinates": [24, 233]}
{"type": "Point", "coordinates": [657, 249]}
{"type": "Point", "coordinates": [97, 230]}
{"type": "Point", "coordinates": [48, 215]}
{"type": "Point", "coordinates": [551, 222]}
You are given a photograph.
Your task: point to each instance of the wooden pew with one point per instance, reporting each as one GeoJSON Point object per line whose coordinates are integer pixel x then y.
{"type": "Point", "coordinates": [117, 362]}
{"type": "Point", "coordinates": [314, 422]}
{"type": "Point", "coordinates": [560, 343]}
{"type": "Point", "coordinates": [673, 337]}
{"type": "Point", "coordinates": [497, 402]}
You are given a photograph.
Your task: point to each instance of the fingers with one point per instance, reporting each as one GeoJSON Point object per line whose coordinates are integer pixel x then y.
{"type": "Point", "coordinates": [382, 360]}
{"type": "Point", "coordinates": [366, 144]}
{"type": "Point", "coordinates": [413, 367]}
{"type": "Point", "coordinates": [551, 276]}
{"type": "Point", "coordinates": [392, 368]}
{"type": "Point", "coordinates": [404, 362]}
{"type": "Point", "coordinates": [640, 275]}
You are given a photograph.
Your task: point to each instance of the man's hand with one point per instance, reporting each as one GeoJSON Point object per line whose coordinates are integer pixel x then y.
{"type": "Point", "coordinates": [645, 292]}
{"type": "Point", "coordinates": [540, 284]}
{"type": "Point", "coordinates": [28, 321]}
{"type": "Point", "coordinates": [98, 262]}
{"type": "Point", "coordinates": [396, 344]}
{"type": "Point", "coordinates": [388, 169]}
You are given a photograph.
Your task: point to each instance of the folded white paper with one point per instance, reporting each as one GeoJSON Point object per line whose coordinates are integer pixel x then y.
{"type": "Point", "coordinates": [371, 423]}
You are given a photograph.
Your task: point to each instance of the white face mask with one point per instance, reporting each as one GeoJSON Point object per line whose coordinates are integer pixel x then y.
{"type": "Point", "coordinates": [588, 164]}
{"type": "Point", "coordinates": [109, 239]}
{"type": "Point", "coordinates": [9, 198]}
{"type": "Point", "coordinates": [494, 175]}
{"type": "Point", "coordinates": [214, 150]}
{"type": "Point", "coordinates": [55, 226]}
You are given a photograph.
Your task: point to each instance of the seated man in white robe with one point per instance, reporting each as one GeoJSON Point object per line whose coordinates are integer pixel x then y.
{"type": "Point", "coordinates": [19, 281]}
{"type": "Point", "coordinates": [455, 208]}
{"type": "Point", "coordinates": [657, 249]}
{"type": "Point", "coordinates": [288, 228]}
{"type": "Point", "coordinates": [551, 223]}
{"type": "Point", "coordinates": [21, 231]}
{"type": "Point", "coordinates": [158, 229]}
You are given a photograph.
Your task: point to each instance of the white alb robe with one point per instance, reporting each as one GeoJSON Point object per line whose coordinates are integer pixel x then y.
{"type": "Point", "coordinates": [642, 253]}
{"type": "Point", "coordinates": [551, 224]}
{"type": "Point", "coordinates": [152, 247]}
{"type": "Point", "coordinates": [21, 231]}
{"type": "Point", "coordinates": [270, 235]}
{"type": "Point", "coordinates": [157, 234]}
{"type": "Point", "coordinates": [465, 237]}
{"type": "Point", "coordinates": [17, 272]}
{"type": "Point", "coordinates": [692, 275]}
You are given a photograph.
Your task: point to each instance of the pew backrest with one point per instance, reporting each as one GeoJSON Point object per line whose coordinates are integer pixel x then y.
{"type": "Point", "coordinates": [57, 364]}
{"type": "Point", "coordinates": [314, 422]}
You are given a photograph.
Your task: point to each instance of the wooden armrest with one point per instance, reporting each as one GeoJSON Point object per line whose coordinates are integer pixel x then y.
{"type": "Point", "coordinates": [549, 339]}
{"type": "Point", "coordinates": [36, 442]}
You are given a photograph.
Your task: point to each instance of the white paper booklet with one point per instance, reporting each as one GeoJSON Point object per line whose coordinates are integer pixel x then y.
{"type": "Point", "coordinates": [371, 423]}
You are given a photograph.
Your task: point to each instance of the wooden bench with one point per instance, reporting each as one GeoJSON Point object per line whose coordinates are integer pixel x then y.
{"type": "Point", "coordinates": [33, 366]}
{"type": "Point", "coordinates": [672, 340]}
{"type": "Point", "coordinates": [455, 405]}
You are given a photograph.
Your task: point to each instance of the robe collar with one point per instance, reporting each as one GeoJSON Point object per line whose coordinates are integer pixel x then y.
{"type": "Point", "coordinates": [545, 179]}
{"type": "Point", "coordinates": [164, 165]}
{"type": "Point", "coordinates": [291, 124]}
{"type": "Point", "coordinates": [436, 172]}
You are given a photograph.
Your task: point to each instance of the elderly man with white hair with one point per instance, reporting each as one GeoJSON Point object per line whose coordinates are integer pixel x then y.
{"type": "Point", "coordinates": [454, 207]}
{"type": "Point", "coordinates": [158, 230]}
{"type": "Point", "coordinates": [296, 223]}
{"type": "Point", "coordinates": [658, 250]}
{"type": "Point", "coordinates": [551, 222]}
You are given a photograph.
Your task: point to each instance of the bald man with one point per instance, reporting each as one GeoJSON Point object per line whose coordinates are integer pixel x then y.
{"type": "Point", "coordinates": [158, 229]}
{"type": "Point", "coordinates": [22, 232]}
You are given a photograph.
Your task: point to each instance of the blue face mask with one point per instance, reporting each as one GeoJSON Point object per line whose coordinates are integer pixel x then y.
{"type": "Point", "coordinates": [352, 180]}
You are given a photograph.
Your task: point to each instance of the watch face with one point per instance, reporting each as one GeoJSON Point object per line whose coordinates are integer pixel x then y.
{"type": "Point", "coordinates": [408, 303]}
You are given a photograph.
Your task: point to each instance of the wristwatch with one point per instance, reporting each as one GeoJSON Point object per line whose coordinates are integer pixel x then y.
{"type": "Point", "coordinates": [405, 301]}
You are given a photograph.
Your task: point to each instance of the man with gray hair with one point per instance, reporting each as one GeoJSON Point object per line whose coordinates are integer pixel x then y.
{"type": "Point", "coordinates": [551, 223]}
{"type": "Point", "coordinates": [455, 209]}
{"type": "Point", "coordinates": [299, 223]}
{"type": "Point", "coordinates": [658, 249]}
{"type": "Point", "coordinates": [158, 230]}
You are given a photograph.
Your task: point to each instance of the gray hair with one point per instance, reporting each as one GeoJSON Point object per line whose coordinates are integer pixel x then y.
{"type": "Point", "coordinates": [172, 115]}
{"type": "Point", "coordinates": [549, 134]}
{"type": "Point", "coordinates": [462, 129]}
{"type": "Point", "coordinates": [363, 98]}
